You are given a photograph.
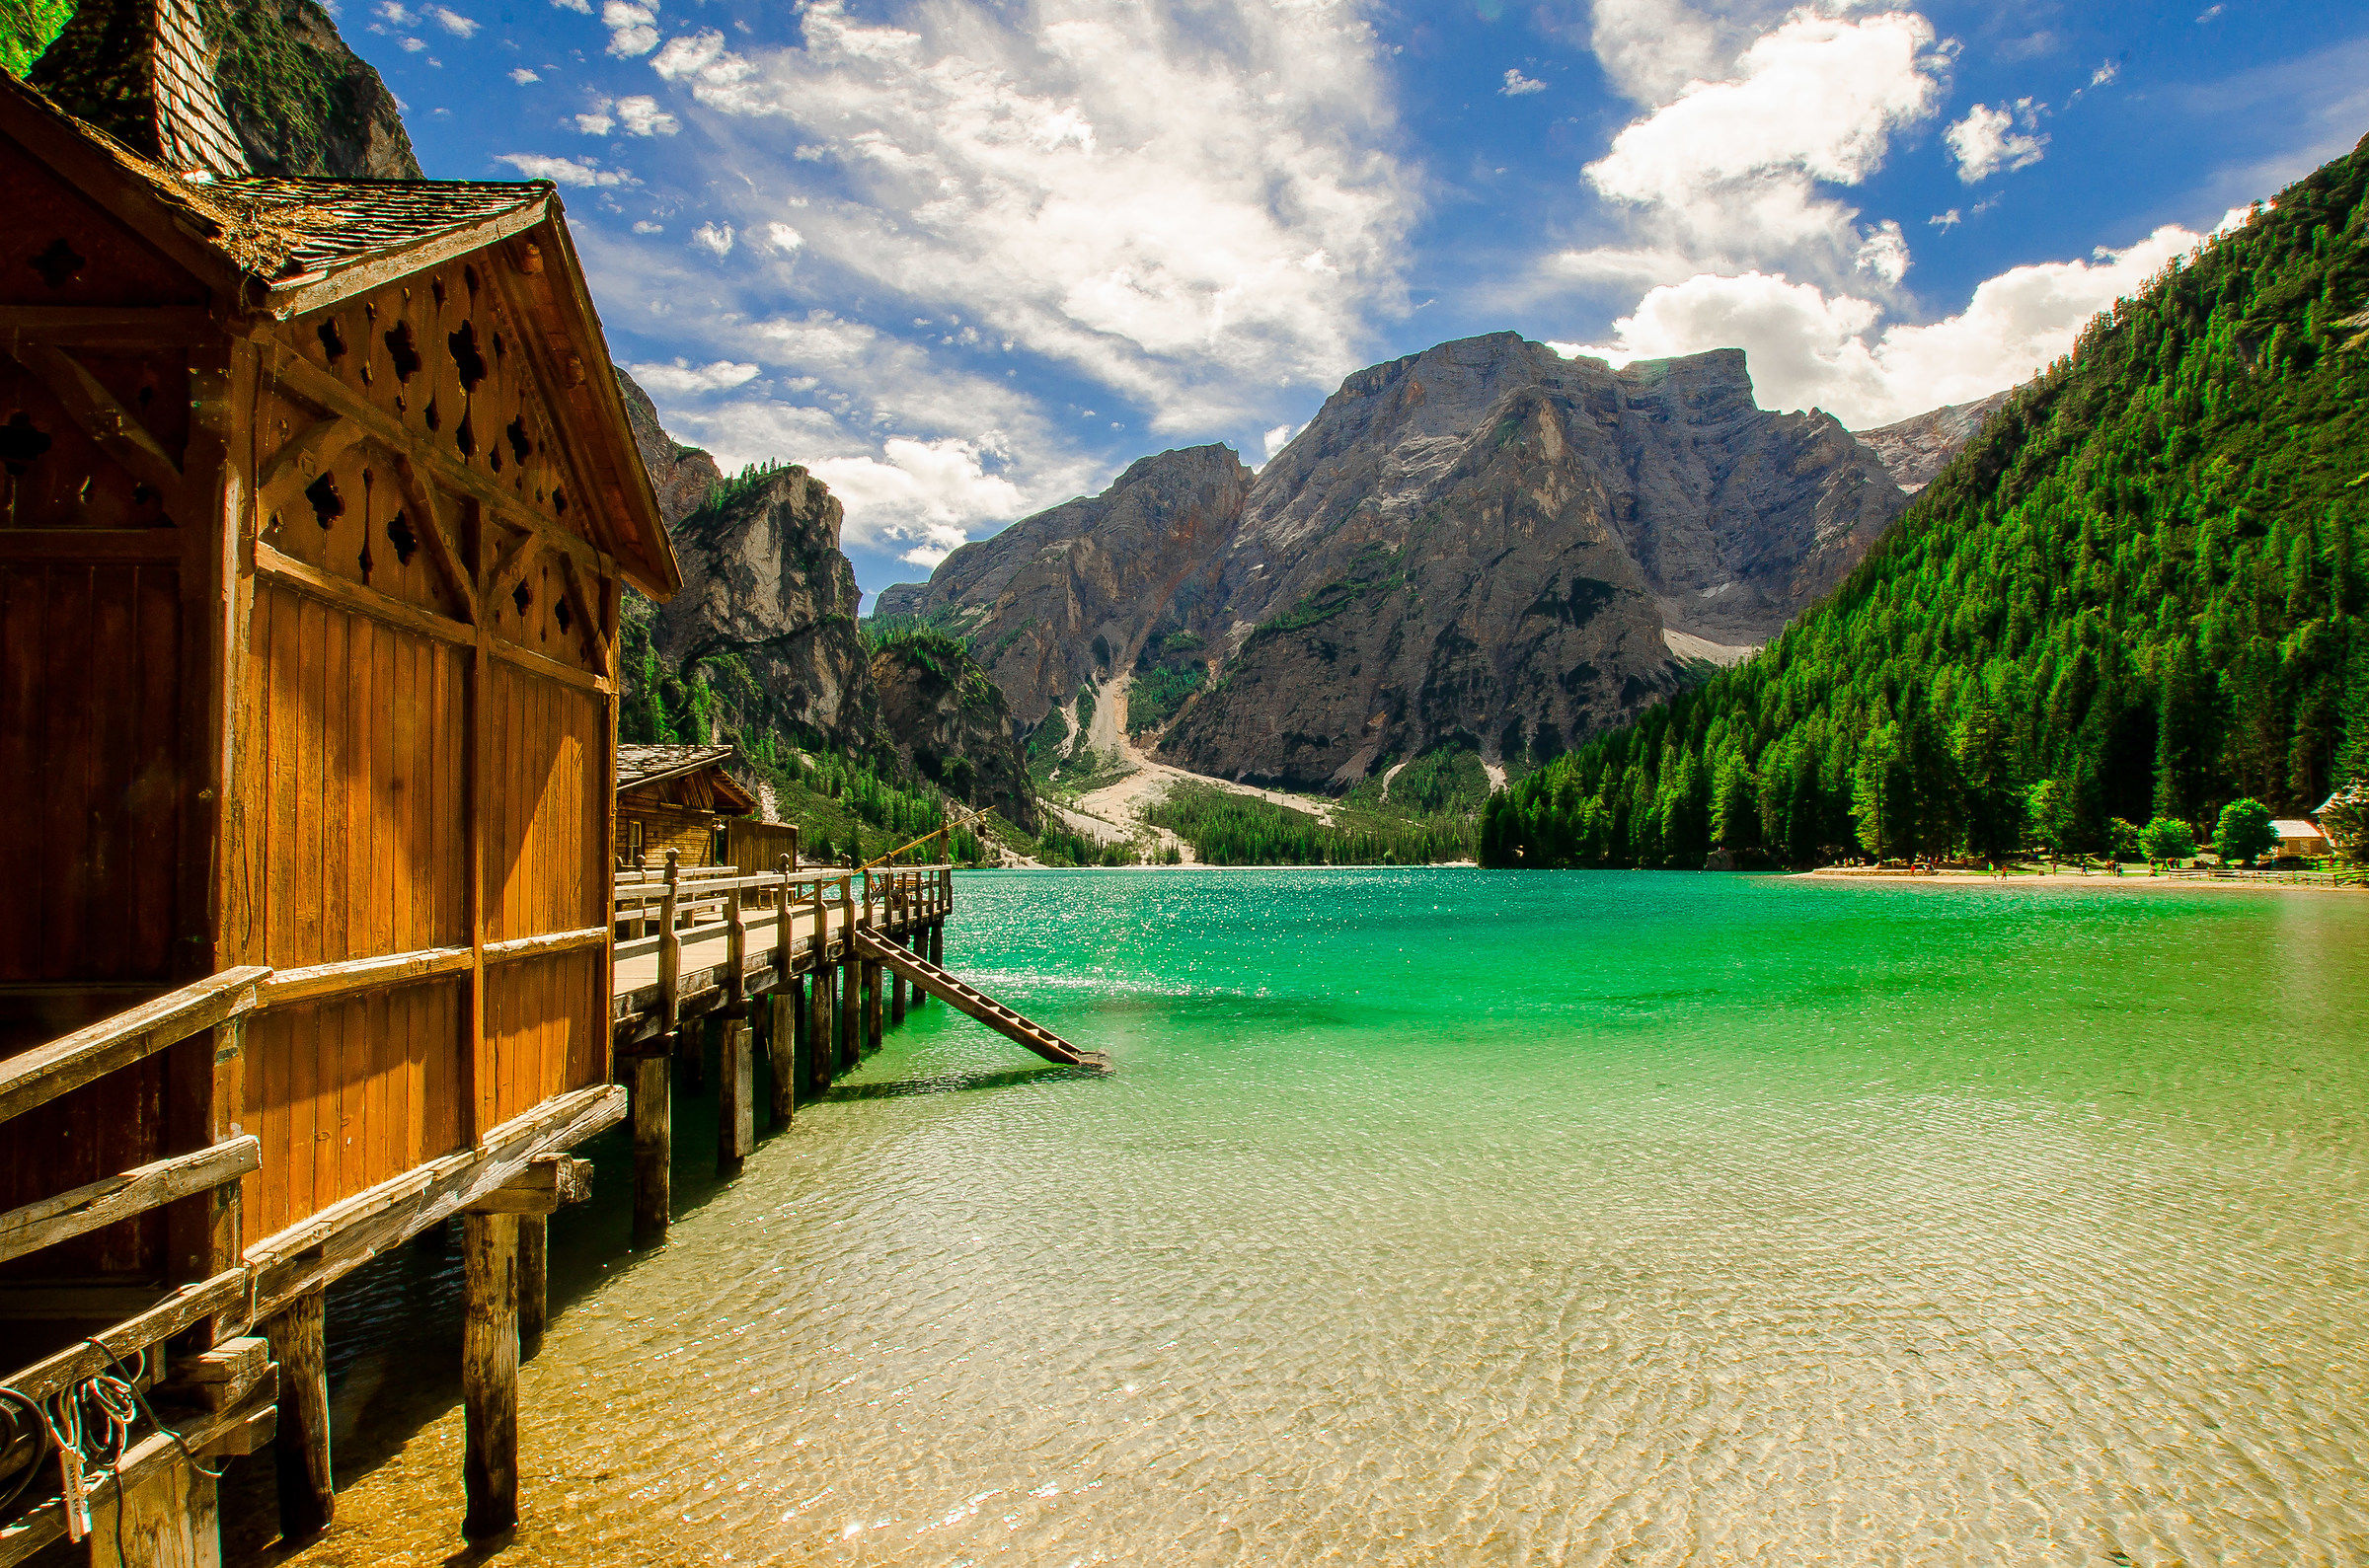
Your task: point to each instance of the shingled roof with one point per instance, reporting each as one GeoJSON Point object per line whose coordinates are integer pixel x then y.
{"type": "Point", "coordinates": [646, 765]}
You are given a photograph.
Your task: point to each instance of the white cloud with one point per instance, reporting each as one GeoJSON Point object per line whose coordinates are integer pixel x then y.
{"type": "Point", "coordinates": [580, 7]}
{"type": "Point", "coordinates": [783, 238]}
{"type": "Point", "coordinates": [1731, 167]}
{"type": "Point", "coordinates": [2000, 141]}
{"type": "Point", "coordinates": [1807, 349]}
{"type": "Point", "coordinates": [1185, 204]}
{"type": "Point", "coordinates": [644, 226]}
{"type": "Point", "coordinates": [1517, 85]}
{"type": "Point", "coordinates": [924, 494]}
{"type": "Point", "coordinates": [564, 171]}
{"type": "Point", "coordinates": [452, 22]}
{"type": "Point", "coordinates": [683, 377]}
{"type": "Point", "coordinates": [1278, 438]}
{"type": "Point", "coordinates": [522, 76]}
{"type": "Point", "coordinates": [2106, 74]}
{"type": "Point", "coordinates": [595, 123]}
{"type": "Point", "coordinates": [715, 236]}
{"type": "Point", "coordinates": [642, 116]}
{"type": "Point", "coordinates": [1885, 252]}
{"type": "Point", "coordinates": [633, 28]}
{"type": "Point", "coordinates": [395, 15]}
{"type": "Point", "coordinates": [1945, 221]}
{"type": "Point", "coordinates": [412, 45]}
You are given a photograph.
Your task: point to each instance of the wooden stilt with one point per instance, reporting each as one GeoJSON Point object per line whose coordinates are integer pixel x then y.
{"type": "Point", "coordinates": [785, 1022]}
{"type": "Point", "coordinates": [534, 1283]}
{"type": "Point", "coordinates": [819, 1027]}
{"type": "Point", "coordinates": [735, 1097]}
{"type": "Point", "coordinates": [896, 998]}
{"type": "Point", "coordinates": [653, 1149]}
{"type": "Point", "coordinates": [691, 1042]}
{"type": "Point", "coordinates": [299, 1343]}
{"type": "Point", "coordinates": [938, 943]}
{"type": "Point", "coordinates": [850, 1011]}
{"type": "Point", "coordinates": [168, 1519]}
{"type": "Point", "coordinates": [873, 1007]}
{"type": "Point", "coordinates": [490, 1372]}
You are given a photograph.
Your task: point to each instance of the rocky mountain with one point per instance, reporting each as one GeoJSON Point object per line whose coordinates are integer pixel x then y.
{"type": "Point", "coordinates": [1484, 545]}
{"type": "Point", "coordinates": [300, 100]}
{"type": "Point", "coordinates": [1069, 596]}
{"type": "Point", "coordinates": [1914, 451]}
{"type": "Point", "coordinates": [951, 723]}
{"type": "Point", "coordinates": [768, 605]}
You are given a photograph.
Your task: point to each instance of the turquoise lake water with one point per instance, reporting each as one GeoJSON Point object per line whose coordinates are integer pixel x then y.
{"type": "Point", "coordinates": [1457, 1217]}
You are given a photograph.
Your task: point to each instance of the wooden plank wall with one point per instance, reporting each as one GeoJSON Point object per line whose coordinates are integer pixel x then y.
{"type": "Point", "coordinates": [92, 776]}
{"type": "Point", "coordinates": [545, 872]}
{"type": "Point", "coordinates": [345, 1094]}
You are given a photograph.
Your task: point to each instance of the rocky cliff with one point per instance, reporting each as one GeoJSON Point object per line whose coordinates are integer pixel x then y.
{"type": "Point", "coordinates": [1073, 595]}
{"type": "Point", "coordinates": [301, 101]}
{"type": "Point", "coordinates": [1915, 450]}
{"type": "Point", "coordinates": [768, 605]}
{"type": "Point", "coordinates": [1484, 545]}
{"type": "Point", "coordinates": [952, 724]}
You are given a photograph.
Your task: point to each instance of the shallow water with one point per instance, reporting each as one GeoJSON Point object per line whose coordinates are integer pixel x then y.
{"type": "Point", "coordinates": [1454, 1217]}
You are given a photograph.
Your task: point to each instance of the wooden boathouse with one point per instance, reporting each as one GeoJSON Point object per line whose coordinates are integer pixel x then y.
{"type": "Point", "coordinates": [319, 500]}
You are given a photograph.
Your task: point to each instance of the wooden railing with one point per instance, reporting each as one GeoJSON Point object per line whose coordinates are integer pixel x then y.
{"type": "Point", "coordinates": [663, 911]}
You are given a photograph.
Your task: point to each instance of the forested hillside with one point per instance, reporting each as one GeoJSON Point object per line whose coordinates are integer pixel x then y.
{"type": "Point", "coordinates": [2138, 592]}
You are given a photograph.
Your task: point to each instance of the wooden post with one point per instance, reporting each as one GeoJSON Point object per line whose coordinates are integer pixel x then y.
{"type": "Point", "coordinates": [896, 998]}
{"type": "Point", "coordinates": [938, 943]}
{"type": "Point", "coordinates": [169, 1516]}
{"type": "Point", "coordinates": [784, 951]}
{"type": "Point", "coordinates": [490, 1372]}
{"type": "Point", "coordinates": [735, 1097]}
{"type": "Point", "coordinates": [785, 1024]}
{"type": "Point", "coordinates": [534, 1283]}
{"type": "Point", "coordinates": [815, 1051]}
{"type": "Point", "coordinates": [653, 1148]}
{"type": "Point", "coordinates": [873, 1007]}
{"type": "Point", "coordinates": [670, 949]}
{"type": "Point", "coordinates": [299, 1343]}
{"type": "Point", "coordinates": [736, 963]}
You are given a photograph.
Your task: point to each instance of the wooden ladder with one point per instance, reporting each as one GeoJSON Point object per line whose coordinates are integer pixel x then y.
{"type": "Point", "coordinates": [969, 999]}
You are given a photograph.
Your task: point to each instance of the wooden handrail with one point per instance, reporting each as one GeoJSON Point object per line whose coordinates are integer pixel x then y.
{"type": "Point", "coordinates": [104, 1202]}
{"type": "Point", "coordinates": [37, 1076]}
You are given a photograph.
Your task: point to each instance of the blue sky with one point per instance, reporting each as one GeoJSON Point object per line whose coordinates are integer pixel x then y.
{"type": "Point", "coordinates": [966, 258]}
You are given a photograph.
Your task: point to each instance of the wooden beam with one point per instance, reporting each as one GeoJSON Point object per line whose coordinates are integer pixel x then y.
{"type": "Point", "coordinates": [735, 1098]}
{"type": "Point", "coordinates": [217, 1378]}
{"type": "Point", "coordinates": [167, 1515]}
{"type": "Point", "coordinates": [299, 1338]}
{"type": "Point", "coordinates": [316, 444]}
{"type": "Point", "coordinates": [549, 668]}
{"type": "Point", "coordinates": [312, 291]}
{"type": "Point", "coordinates": [129, 1338]}
{"type": "Point", "coordinates": [547, 1185]}
{"type": "Point", "coordinates": [133, 327]}
{"type": "Point", "coordinates": [118, 433]}
{"type": "Point", "coordinates": [510, 564]}
{"type": "Point", "coordinates": [305, 577]}
{"type": "Point", "coordinates": [420, 498]}
{"type": "Point", "coordinates": [555, 941]}
{"type": "Point", "coordinates": [490, 1372]}
{"type": "Point", "coordinates": [572, 587]}
{"type": "Point", "coordinates": [287, 987]}
{"type": "Point", "coordinates": [38, 1075]}
{"type": "Point", "coordinates": [348, 1234]}
{"type": "Point", "coordinates": [120, 1197]}
{"type": "Point", "coordinates": [90, 544]}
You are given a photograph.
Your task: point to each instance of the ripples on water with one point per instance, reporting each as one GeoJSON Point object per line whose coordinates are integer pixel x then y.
{"type": "Point", "coordinates": [1446, 1216]}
